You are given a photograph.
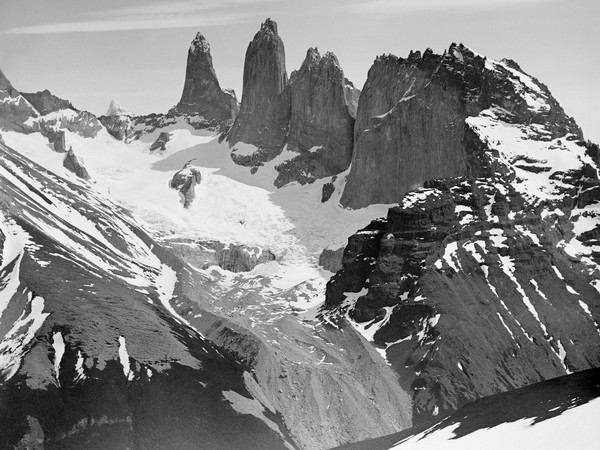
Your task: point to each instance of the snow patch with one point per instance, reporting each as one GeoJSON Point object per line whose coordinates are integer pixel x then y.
{"type": "Point", "coordinates": [58, 344]}
{"type": "Point", "coordinates": [124, 359]}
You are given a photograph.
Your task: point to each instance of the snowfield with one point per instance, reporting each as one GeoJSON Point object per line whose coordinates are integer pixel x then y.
{"type": "Point", "coordinates": [231, 204]}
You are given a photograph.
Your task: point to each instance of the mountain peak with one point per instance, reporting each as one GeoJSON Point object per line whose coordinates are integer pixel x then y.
{"type": "Point", "coordinates": [269, 26]}
{"type": "Point", "coordinates": [5, 85]}
{"type": "Point", "coordinates": [115, 109]}
{"type": "Point", "coordinates": [200, 44]}
{"type": "Point", "coordinates": [202, 93]}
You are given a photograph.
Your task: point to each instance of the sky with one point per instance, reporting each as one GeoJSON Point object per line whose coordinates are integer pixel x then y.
{"type": "Point", "coordinates": [135, 51]}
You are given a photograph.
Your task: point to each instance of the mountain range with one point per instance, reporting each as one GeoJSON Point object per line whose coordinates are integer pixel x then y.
{"type": "Point", "coordinates": [411, 264]}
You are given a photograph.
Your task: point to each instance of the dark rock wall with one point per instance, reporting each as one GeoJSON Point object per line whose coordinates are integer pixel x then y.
{"type": "Point", "coordinates": [321, 125]}
{"type": "Point", "coordinates": [45, 102]}
{"type": "Point", "coordinates": [119, 127]}
{"type": "Point", "coordinates": [410, 124]}
{"type": "Point", "coordinates": [265, 108]}
{"type": "Point", "coordinates": [202, 93]}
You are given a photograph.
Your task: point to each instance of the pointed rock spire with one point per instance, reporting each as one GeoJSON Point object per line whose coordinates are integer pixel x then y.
{"type": "Point", "coordinates": [202, 93]}
{"type": "Point", "coordinates": [265, 108]}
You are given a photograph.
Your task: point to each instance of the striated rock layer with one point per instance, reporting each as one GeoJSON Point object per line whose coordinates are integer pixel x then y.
{"type": "Point", "coordinates": [265, 108]}
{"type": "Point", "coordinates": [321, 124]}
{"type": "Point", "coordinates": [410, 123]}
{"type": "Point", "coordinates": [202, 94]}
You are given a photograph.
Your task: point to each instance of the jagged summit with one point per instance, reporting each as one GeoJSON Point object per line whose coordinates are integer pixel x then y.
{"type": "Point", "coordinates": [406, 108]}
{"type": "Point", "coordinates": [269, 26]}
{"type": "Point", "coordinates": [115, 109]}
{"type": "Point", "coordinates": [202, 95]}
{"type": "Point", "coordinates": [321, 123]}
{"type": "Point", "coordinates": [200, 44]}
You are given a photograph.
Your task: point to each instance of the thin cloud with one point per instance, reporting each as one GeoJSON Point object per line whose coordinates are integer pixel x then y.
{"type": "Point", "coordinates": [181, 14]}
{"type": "Point", "coordinates": [413, 6]}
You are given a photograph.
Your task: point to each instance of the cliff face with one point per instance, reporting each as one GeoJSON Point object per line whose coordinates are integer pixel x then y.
{"type": "Point", "coordinates": [474, 286]}
{"type": "Point", "coordinates": [265, 108]}
{"type": "Point", "coordinates": [202, 94]}
{"type": "Point", "coordinates": [321, 125]}
{"type": "Point", "coordinates": [410, 123]}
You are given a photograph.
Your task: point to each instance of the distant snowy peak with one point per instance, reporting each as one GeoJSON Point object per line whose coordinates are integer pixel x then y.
{"type": "Point", "coordinates": [115, 109]}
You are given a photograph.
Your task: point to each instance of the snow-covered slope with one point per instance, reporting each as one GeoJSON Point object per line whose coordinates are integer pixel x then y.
{"type": "Point", "coordinates": [552, 415]}
{"type": "Point", "coordinates": [92, 351]}
{"type": "Point", "coordinates": [485, 279]}
{"type": "Point", "coordinates": [271, 309]}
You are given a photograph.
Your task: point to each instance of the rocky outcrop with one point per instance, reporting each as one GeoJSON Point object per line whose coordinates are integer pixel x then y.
{"type": "Point", "coordinates": [351, 94]}
{"type": "Point", "coordinates": [72, 163]}
{"type": "Point", "coordinates": [58, 140]}
{"type": "Point", "coordinates": [481, 283]}
{"type": "Point", "coordinates": [185, 182]}
{"type": "Point", "coordinates": [469, 294]}
{"type": "Point", "coordinates": [202, 95]}
{"type": "Point", "coordinates": [115, 109]}
{"type": "Point", "coordinates": [321, 125]}
{"type": "Point", "coordinates": [233, 257]}
{"type": "Point", "coordinates": [410, 123]}
{"type": "Point", "coordinates": [117, 121]}
{"type": "Point", "coordinates": [161, 142]}
{"type": "Point", "coordinates": [331, 259]}
{"type": "Point", "coordinates": [45, 102]}
{"type": "Point", "coordinates": [91, 360]}
{"type": "Point", "coordinates": [265, 108]}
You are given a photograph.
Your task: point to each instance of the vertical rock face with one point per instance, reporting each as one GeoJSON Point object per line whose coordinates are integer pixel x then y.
{"type": "Point", "coordinates": [410, 123]}
{"type": "Point", "coordinates": [265, 109]}
{"type": "Point", "coordinates": [321, 125]}
{"type": "Point", "coordinates": [202, 94]}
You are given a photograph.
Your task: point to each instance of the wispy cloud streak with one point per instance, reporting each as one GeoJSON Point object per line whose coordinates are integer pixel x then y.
{"type": "Point", "coordinates": [163, 15]}
{"type": "Point", "coordinates": [416, 6]}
